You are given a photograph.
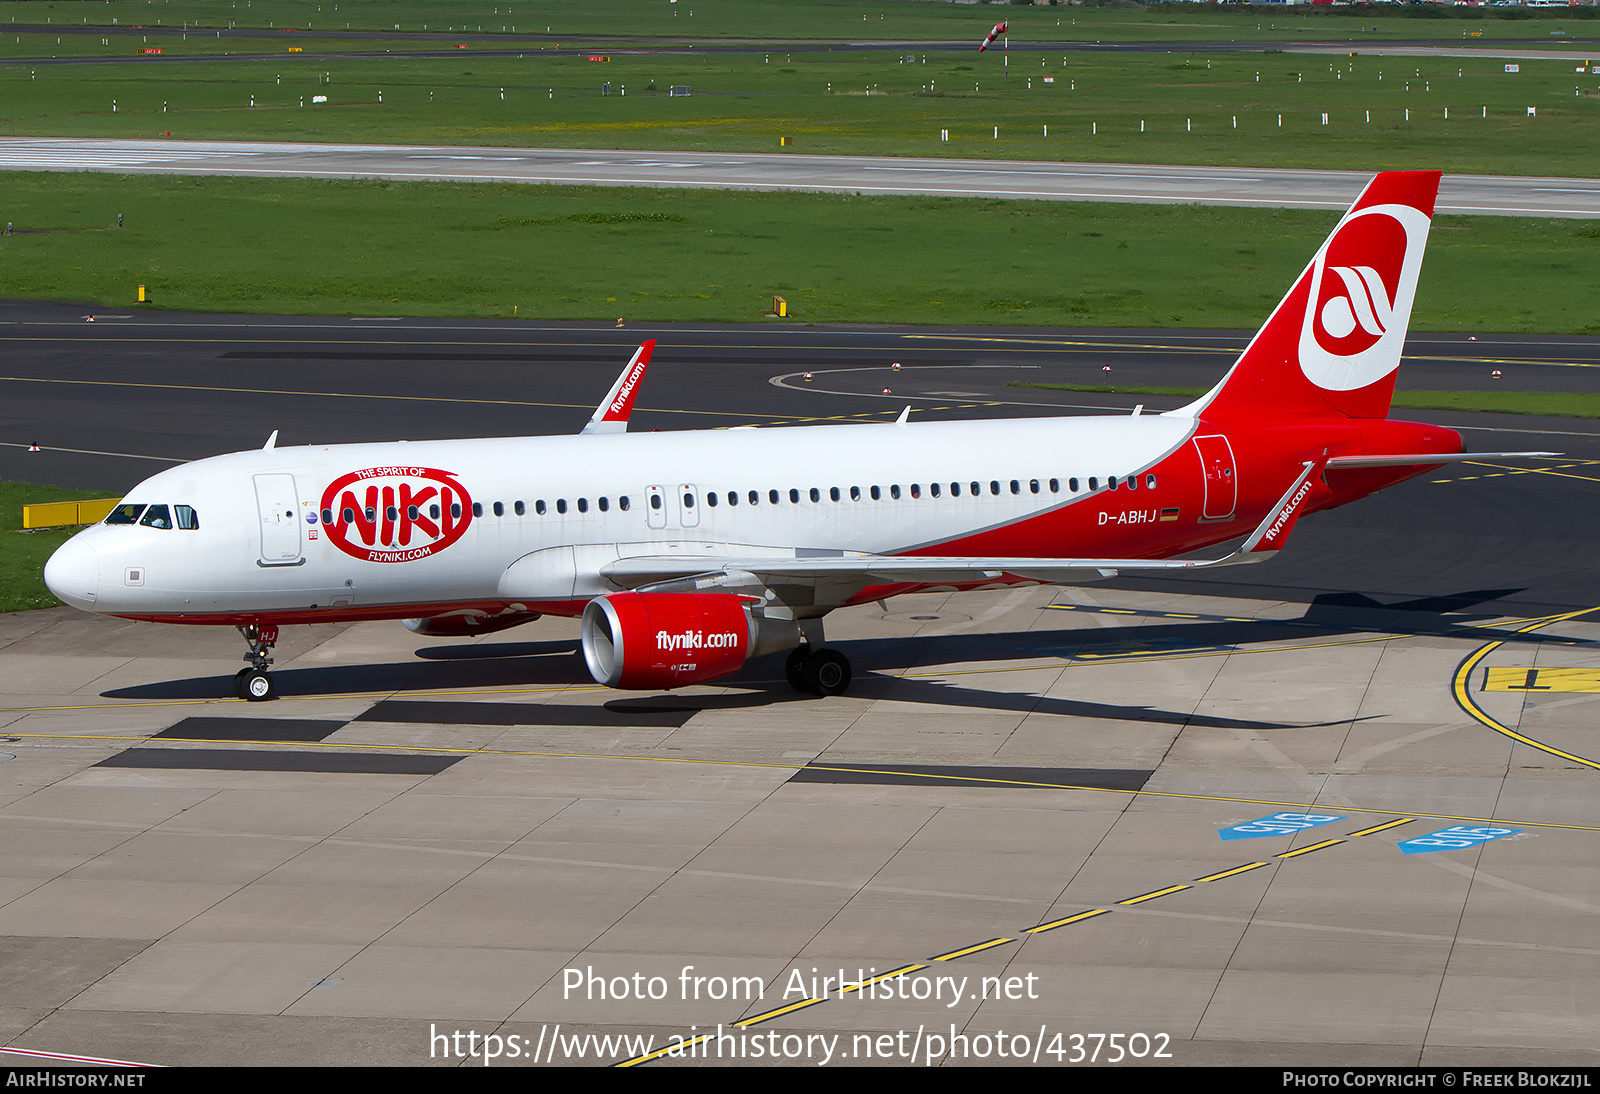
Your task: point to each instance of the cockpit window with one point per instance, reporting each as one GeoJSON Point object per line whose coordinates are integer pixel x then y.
{"type": "Point", "coordinates": [188, 519]}
{"type": "Point", "coordinates": [125, 514]}
{"type": "Point", "coordinates": [157, 516]}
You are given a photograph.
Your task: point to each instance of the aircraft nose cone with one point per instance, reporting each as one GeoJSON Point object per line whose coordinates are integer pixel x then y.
{"type": "Point", "coordinates": [73, 574]}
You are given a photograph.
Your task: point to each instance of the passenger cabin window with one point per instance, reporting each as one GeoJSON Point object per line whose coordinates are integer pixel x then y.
{"type": "Point", "coordinates": [125, 514]}
{"type": "Point", "coordinates": [188, 519]}
{"type": "Point", "coordinates": [1150, 482]}
{"type": "Point", "coordinates": [518, 508]}
{"type": "Point", "coordinates": [624, 504]}
{"type": "Point", "coordinates": [499, 508]}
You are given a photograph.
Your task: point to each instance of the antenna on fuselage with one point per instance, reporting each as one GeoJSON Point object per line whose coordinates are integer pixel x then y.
{"type": "Point", "coordinates": [272, 442]}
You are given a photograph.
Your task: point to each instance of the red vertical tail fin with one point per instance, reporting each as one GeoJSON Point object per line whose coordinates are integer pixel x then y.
{"type": "Point", "coordinates": [1331, 347]}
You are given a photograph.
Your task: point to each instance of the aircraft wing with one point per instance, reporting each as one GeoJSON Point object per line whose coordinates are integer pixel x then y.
{"type": "Point", "coordinates": [684, 573]}
{"type": "Point", "coordinates": [611, 416]}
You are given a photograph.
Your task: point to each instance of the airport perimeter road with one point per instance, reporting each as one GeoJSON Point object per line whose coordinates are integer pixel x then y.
{"type": "Point", "coordinates": [1480, 194]}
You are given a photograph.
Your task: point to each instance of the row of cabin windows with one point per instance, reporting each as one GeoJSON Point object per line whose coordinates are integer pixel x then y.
{"type": "Point", "coordinates": [519, 508]}
{"type": "Point", "coordinates": [774, 497]}
{"type": "Point", "coordinates": [935, 489]}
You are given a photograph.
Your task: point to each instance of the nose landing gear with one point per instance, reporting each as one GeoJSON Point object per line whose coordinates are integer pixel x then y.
{"type": "Point", "coordinates": [255, 683]}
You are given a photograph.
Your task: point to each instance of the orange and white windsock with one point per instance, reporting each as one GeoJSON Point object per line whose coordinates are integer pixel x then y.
{"type": "Point", "coordinates": [999, 29]}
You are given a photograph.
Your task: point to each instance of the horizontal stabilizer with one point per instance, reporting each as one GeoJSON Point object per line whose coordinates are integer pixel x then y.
{"type": "Point", "coordinates": [1425, 459]}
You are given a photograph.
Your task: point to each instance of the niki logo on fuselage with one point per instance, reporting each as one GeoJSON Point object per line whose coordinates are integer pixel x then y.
{"type": "Point", "coordinates": [395, 514]}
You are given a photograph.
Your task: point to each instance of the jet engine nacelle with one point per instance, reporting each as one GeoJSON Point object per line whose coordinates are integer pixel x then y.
{"type": "Point", "coordinates": [667, 640]}
{"type": "Point", "coordinates": [466, 626]}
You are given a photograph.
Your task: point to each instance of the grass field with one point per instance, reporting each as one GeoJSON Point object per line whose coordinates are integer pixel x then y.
{"type": "Point", "coordinates": [803, 19]}
{"type": "Point", "coordinates": [1257, 110]}
{"type": "Point", "coordinates": [23, 554]}
{"type": "Point", "coordinates": [299, 246]}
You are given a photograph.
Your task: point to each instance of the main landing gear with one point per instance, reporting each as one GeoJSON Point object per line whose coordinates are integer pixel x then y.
{"type": "Point", "coordinates": [824, 672]}
{"type": "Point", "coordinates": [255, 683]}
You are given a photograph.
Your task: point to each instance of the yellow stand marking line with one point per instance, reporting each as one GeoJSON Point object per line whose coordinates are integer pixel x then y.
{"type": "Point", "coordinates": [1054, 923]}
{"type": "Point", "coordinates": [1527, 678]}
{"type": "Point", "coordinates": [1460, 688]}
{"type": "Point", "coordinates": [1530, 471]}
{"type": "Point", "coordinates": [746, 1023]}
{"type": "Point", "coordinates": [1381, 827]}
{"type": "Point", "coordinates": [1152, 896]}
{"type": "Point", "coordinates": [1230, 873]}
{"type": "Point", "coordinates": [880, 978]}
{"type": "Point", "coordinates": [664, 1051]}
{"type": "Point", "coordinates": [1313, 847]}
{"type": "Point", "coordinates": [989, 945]}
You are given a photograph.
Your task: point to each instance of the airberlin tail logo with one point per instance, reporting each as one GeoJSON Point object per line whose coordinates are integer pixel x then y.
{"type": "Point", "coordinates": [1364, 303]}
{"type": "Point", "coordinates": [1359, 303]}
{"type": "Point", "coordinates": [395, 514]}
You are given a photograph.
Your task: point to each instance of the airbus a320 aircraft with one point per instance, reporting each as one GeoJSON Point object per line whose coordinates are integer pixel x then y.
{"type": "Point", "coordinates": [687, 553]}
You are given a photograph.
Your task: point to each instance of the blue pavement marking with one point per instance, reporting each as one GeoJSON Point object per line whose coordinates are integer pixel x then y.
{"type": "Point", "coordinates": [1278, 824]}
{"type": "Point", "coordinates": [1453, 839]}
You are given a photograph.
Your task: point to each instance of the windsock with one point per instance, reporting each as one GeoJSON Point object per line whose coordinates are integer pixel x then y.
{"type": "Point", "coordinates": [999, 29]}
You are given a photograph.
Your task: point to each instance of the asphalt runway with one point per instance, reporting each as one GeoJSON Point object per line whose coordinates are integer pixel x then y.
{"type": "Point", "coordinates": [1057, 814]}
{"type": "Point", "coordinates": [1053, 181]}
